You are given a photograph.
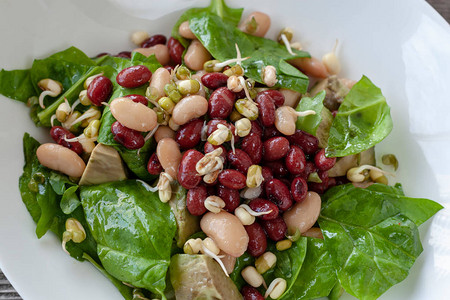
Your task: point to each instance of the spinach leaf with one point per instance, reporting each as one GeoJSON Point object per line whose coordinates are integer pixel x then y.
{"type": "Point", "coordinates": [316, 275]}
{"type": "Point", "coordinates": [215, 35]}
{"type": "Point", "coordinates": [59, 181]}
{"type": "Point", "coordinates": [372, 241]}
{"type": "Point", "coordinates": [363, 120]}
{"type": "Point", "coordinates": [217, 7]}
{"type": "Point", "coordinates": [16, 84]}
{"type": "Point", "coordinates": [70, 200]}
{"type": "Point", "coordinates": [310, 123]}
{"type": "Point", "coordinates": [136, 160]}
{"type": "Point", "coordinates": [336, 292]}
{"type": "Point", "coordinates": [242, 261]}
{"type": "Point", "coordinates": [73, 55]}
{"type": "Point", "coordinates": [134, 231]}
{"type": "Point", "coordinates": [126, 291]}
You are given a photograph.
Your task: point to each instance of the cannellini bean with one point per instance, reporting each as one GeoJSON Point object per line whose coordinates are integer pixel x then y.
{"type": "Point", "coordinates": [227, 231]}
{"type": "Point", "coordinates": [160, 78]}
{"type": "Point", "coordinates": [303, 215]}
{"type": "Point", "coordinates": [161, 53]}
{"type": "Point", "coordinates": [169, 156]}
{"type": "Point", "coordinates": [311, 66]}
{"type": "Point", "coordinates": [164, 132]}
{"type": "Point", "coordinates": [285, 120]}
{"type": "Point", "coordinates": [291, 98]}
{"type": "Point", "coordinates": [314, 232]}
{"type": "Point", "coordinates": [190, 107]}
{"type": "Point", "coordinates": [185, 31]}
{"type": "Point", "coordinates": [348, 82]}
{"type": "Point", "coordinates": [59, 158]}
{"type": "Point", "coordinates": [196, 55]}
{"type": "Point", "coordinates": [133, 115]}
{"type": "Point", "coordinates": [228, 261]}
{"type": "Point", "coordinates": [257, 24]}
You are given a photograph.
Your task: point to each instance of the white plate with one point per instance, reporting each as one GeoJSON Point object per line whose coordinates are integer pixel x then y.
{"type": "Point", "coordinates": [402, 45]}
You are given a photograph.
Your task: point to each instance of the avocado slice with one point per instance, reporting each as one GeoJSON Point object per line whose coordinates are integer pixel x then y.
{"type": "Point", "coordinates": [335, 90]}
{"type": "Point", "coordinates": [104, 165]}
{"type": "Point", "coordinates": [187, 224]}
{"type": "Point", "coordinates": [199, 277]}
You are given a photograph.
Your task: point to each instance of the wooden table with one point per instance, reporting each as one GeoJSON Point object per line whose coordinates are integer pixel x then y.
{"type": "Point", "coordinates": [7, 292]}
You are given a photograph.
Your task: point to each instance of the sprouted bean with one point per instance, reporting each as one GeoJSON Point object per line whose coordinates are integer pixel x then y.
{"type": "Point", "coordinates": [50, 88]}
{"type": "Point", "coordinates": [74, 232]}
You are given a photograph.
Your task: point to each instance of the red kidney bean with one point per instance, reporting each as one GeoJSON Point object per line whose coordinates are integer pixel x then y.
{"type": "Point", "coordinates": [187, 175]}
{"type": "Point", "coordinates": [310, 167]}
{"type": "Point", "coordinates": [276, 96]}
{"type": "Point", "coordinates": [124, 54]}
{"type": "Point", "coordinates": [189, 134]}
{"type": "Point", "coordinates": [212, 126]}
{"type": "Point", "coordinates": [103, 54]}
{"type": "Point", "coordinates": [232, 179]}
{"type": "Point", "coordinates": [215, 80]}
{"type": "Point", "coordinates": [231, 198]}
{"type": "Point", "coordinates": [250, 293]}
{"type": "Point", "coordinates": [59, 134]}
{"type": "Point", "coordinates": [154, 40]}
{"type": "Point", "coordinates": [253, 146]}
{"type": "Point", "coordinates": [221, 103]}
{"type": "Point", "coordinates": [99, 90]}
{"type": "Point", "coordinates": [306, 141]}
{"type": "Point", "coordinates": [331, 182]}
{"type": "Point", "coordinates": [319, 188]}
{"type": "Point", "coordinates": [295, 160]}
{"type": "Point", "coordinates": [211, 190]}
{"type": "Point", "coordinates": [175, 50]}
{"type": "Point", "coordinates": [241, 94]}
{"type": "Point", "coordinates": [322, 162]}
{"type": "Point", "coordinates": [278, 168]}
{"type": "Point", "coordinates": [134, 76]}
{"type": "Point", "coordinates": [266, 109]}
{"type": "Point", "coordinates": [275, 148]}
{"type": "Point", "coordinates": [239, 160]}
{"type": "Point", "coordinates": [270, 132]}
{"type": "Point", "coordinates": [154, 166]}
{"type": "Point", "coordinates": [263, 205]}
{"type": "Point", "coordinates": [276, 229]}
{"type": "Point", "coordinates": [138, 98]}
{"type": "Point", "coordinates": [129, 138]}
{"type": "Point", "coordinates": [195, 200]}
{"type": "Point", "coordinates": [266, 173]}
{"type": "Point", "coordinates": [299, 189]}
{"type": "Point", "coordinates": [257, 241]}
{"type": "Point", "coordinates": [278, 193]}
{"type": "Point", "coordinates": [256, 128]}
{"type": "Point", "coordinates": [168, 68]}
{"type": "Point", "coordinates": [208, 147]}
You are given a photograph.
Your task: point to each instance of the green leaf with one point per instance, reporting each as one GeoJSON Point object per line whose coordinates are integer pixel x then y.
{"type": "Point", "coordinates": [215, 35]}
{"type": "Point", "coordinates": [242, 261]}
{"type": "Point", "coordinates": [134, 231]}
{"type": "Point", "coordinates": [17, 84]}
{"type": "Point", "coordinates": [70, 200]}
{"type": "Point", "coordinates": [73, 55]}
{"type": "Point", "coordinates": [217, 7]}
{"type": "Point", "coordinates": [316, 277]}
{"type": "Point", "coordinates": [363, 120]}
{"type": "Point", "coordinates": [58, 182]}
{"type": "Point", "coordinates": [310, 123]}
{"type": "Point", "coordinates": [336, 292]}
{"type": "Point", "coordinates": [137, 160]}
{"type": "Point", "coordinates": [370, 238]}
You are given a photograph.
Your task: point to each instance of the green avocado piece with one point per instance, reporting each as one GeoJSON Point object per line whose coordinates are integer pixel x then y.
{"type": "Point", "coordinates": [199, 277]}
{"type": "Point", "coordinates": [104, 165]}
{"type": "Point", "coordinates": [187, 224]}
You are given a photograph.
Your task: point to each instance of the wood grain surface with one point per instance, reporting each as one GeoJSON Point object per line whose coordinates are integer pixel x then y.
{"type": "Point", "coordinates": [7, 292]}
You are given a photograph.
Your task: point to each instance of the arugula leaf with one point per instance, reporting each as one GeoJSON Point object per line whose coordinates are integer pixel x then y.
{"type": "Point", "coordinates": [317, 276]}
{"type": "Point", "coordinates": [134, 231]}
{"type": "Point", "coordinates": [310, 123]}
{"type": "Point", "coordinates": [16, 84]}
{"type": "Point", "coordinates": [242, 262]}
{"type": "Point", "coordinates": [70, 200]}
{"type": "Point", "coordinates": [217, 7]}
{"type": "Point", "coordinates": [215, 35]}
{"type": "Point", "coordinates": [372, 241]}
{"type": "Point", "coordinates": [363, 120]}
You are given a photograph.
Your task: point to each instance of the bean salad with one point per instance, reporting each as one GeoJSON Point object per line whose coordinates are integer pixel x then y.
{"type": "Point", "coordinates": [218, 163]}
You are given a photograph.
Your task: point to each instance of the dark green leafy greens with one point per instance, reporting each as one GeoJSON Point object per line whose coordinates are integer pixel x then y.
{"type": "Point", "coordinates": [16, 84]}
{"type": "Point", "coordinates": [70, 200]}
{"type": "Point", "coordinates": [243, 261]}
{"type": "Point", "coordinates": [216, 7]}
{"type": "Point", "coordinates": [363, 120]}
{"type": "Point", "coordinates": [370, 236]}
{"type": "Point", "coordinates": [310, 123]}
{"type": "Point", "coordinates": [134, 231]}
{"type": "Point", "coordinates": [215, 35]}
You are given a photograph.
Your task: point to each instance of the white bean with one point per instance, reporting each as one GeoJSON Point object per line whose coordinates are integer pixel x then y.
{"type": "Point", "coordinates": [59, 158]}
{"type": "Point", "coordinates": [196, 56]}
{"type": "Point", "coordinates": [164, 132]}
{"type": "Point", "coordinates": [285, 120]}
{"type": "Point", "coordinates": [133, 115]}
{"type": "Point", "coordinates": [185, 31]}
{"type": "Point", "coordinates": [310, 66]}
{"type": "Point", "coordinates": [169, 156]}
{"type": "Point", "coordinates": [291, 98]}
{"type": "Point", "coordinates": [227, 231]}
{"type": "Point", "coordinates": [303, 215]}
{"type": "Point", "coordinates": [190, 107]}
{"type": "Point", "coordinates": [258, 26]}
{"type": "Point", "coordinates": [160, 78]}
{"type": "Point", "coordinates": [160, 51]}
